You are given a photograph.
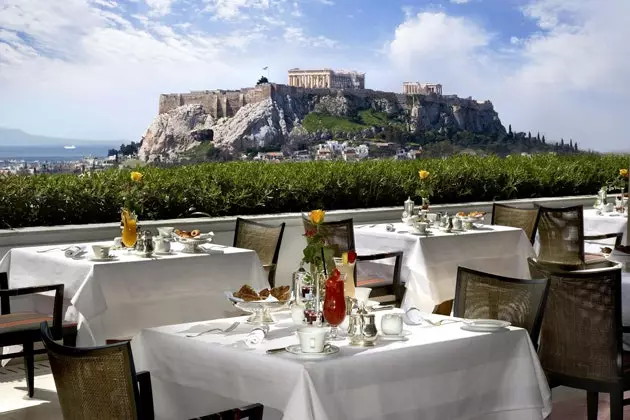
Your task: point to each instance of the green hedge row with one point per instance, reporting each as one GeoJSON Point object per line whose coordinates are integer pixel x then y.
{"type": "Point", "coordinates": [247, 188]}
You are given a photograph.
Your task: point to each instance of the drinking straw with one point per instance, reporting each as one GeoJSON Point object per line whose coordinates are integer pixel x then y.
{"type": "Point", "coordinates": [324, 263]}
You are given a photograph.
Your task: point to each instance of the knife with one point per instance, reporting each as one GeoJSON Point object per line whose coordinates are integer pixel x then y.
{"type": "Point", "coordinates": [382, 308]}
{"type": "Point", "coordinates": [278, 350]}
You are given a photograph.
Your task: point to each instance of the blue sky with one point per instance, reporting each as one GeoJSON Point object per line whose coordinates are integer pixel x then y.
{"type": "Point", "coordinates": [95, 68]}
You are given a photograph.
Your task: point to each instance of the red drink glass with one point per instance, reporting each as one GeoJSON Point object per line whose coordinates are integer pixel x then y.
{"type": "Point", "coordinates": [334, 304]}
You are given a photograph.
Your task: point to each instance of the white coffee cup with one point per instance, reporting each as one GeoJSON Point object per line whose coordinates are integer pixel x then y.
{"type": "Point", "coordinates": [161, 244]}
{"type": "Point", "coordinates": [392, 324]}
{"type": "Point", "coordinates": [420, 227]}
{"type": "Point", "coordinates": [101, 251]}
{"type": "Point", "coordinates": [312, 339]}
{"type": "Point", "coordinates": [118, 242]}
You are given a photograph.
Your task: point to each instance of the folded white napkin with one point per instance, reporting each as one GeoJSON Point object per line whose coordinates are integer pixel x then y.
{"type": "Point", "coordinates": [257, 336]}
{"type": "Point", "coordinates": [74, 251]}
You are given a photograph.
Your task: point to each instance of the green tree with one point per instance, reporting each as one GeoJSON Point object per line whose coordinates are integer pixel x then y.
{"type": "Point", "coordinates": [262, 81]}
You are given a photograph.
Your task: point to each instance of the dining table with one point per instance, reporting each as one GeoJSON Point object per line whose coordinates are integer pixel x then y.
{"type": "Point", "coordinates": [597, 222]}
{"type": "Point", "coordinates": [430, 260]}
{"type": "Point", "coordinates": [429, 372]}
{"type": "Point", "coordinates": [118, 297]}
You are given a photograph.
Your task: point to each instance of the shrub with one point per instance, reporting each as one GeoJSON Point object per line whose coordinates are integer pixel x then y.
{"type": "Point", "coordinates": [247, 188]}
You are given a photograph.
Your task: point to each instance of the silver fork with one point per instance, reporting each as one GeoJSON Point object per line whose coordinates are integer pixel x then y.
{"type": "Point", "coordinates": [228, 329]}
{"type": "Point", "coordinates": [52, 249]}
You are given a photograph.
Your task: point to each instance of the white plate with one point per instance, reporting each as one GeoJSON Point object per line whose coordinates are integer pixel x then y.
{"type": "Point", "coordinates": [329, 350]}
{"type": "Point", "coordinates": [485, 325]}
{"type": "Point", "coordinates": [101, 259]}
{"type": "Point", "coordinates": [369, 304]}
{"type": "Point", "coordinates": [401, 337]}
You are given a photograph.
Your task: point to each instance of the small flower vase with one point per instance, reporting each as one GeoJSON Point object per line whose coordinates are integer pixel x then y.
{"type": "Point", "coordinates": [425, 203]}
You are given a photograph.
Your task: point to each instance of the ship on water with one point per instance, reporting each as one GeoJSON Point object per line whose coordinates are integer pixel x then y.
{"type": "Point", "coordinates": [71, 147]}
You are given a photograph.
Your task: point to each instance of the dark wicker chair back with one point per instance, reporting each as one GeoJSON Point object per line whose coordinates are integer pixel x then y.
{"type": "Point", "coordinates": [250, 412]}
{"type": "Point", "coordinates": [383, 277]}
{"type": "Point", "coordinates": [263, 238]}
{"type": "Point", "coordinates": [480, 295]}
{"type": "Point", "coordinates": [561, 236]}
{"type": "Point", "coordinates": [525, 219]}
{"type": "Point", "coordinates": [95, 383]}
{"type": "Point", "coordinates": [339, 235]}
{"type": "Point", "coordinates": [582, 330]}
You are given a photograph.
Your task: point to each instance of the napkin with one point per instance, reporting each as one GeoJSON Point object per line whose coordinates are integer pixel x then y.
{"type": "Point", "coordinates": [74, 251]}
{"type": "Point", "coordinates": [257, 336]}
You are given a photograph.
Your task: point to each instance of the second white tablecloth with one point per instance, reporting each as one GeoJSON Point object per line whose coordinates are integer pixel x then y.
{"type": "Point", "coordinates": [430, 262]}
{"type": "Point", "coordinates": [119, 298]}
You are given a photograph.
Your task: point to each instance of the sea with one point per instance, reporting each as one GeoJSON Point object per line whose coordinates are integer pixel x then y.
{"type": "Point", "coordinates": [52, 153]}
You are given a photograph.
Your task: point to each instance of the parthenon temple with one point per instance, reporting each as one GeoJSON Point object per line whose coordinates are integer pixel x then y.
{"type": "Point", "coordinates": [326, 78]}
{"type": "Point", "coordinates": [417, 88]}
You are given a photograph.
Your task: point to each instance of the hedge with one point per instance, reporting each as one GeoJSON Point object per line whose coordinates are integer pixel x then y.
{"type": "Point", "coordinates": [247, 188]}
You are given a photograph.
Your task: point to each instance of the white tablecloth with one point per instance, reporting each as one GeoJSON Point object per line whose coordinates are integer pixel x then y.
{"type": "Point", "coordinates": [430, 262]}
{"type": "Point", "coordinates": [595, 224]}
{"type": "Point", "coordinates": [119, 298]}
{"type": "Point", "coordinates": [439, 373]}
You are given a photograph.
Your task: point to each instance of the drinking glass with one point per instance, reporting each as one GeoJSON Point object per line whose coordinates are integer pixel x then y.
{"type": "Point", "coordinates": [334, 305]}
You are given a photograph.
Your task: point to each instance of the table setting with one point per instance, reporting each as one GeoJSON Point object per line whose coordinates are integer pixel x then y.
{"type": "Point", "coordinates": [435, 244]}
{"type": "Point", "coordinates": [389, 355]}
{"type": "Point", "coordinates": [113, 289]}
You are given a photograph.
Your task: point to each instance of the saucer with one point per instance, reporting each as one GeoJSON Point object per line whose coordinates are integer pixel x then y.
{"type": "Point", "coordinates": [398, 337]}
{"type": "Point", "coordinates": [485, 325]}
{"type": "Point", "coordinates": [171, 252]}
{"type": "Point", "coordinates": [101, 259]}
{"type": "Point", "coordinates": [329, 350]}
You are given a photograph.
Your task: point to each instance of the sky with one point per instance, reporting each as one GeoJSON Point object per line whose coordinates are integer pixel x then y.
{"type": "Point", "coordinates": [95, 68]}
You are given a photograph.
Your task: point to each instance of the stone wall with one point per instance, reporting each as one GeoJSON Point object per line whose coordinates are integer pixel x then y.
{"type": "Point", "coordinates": [222, 103]}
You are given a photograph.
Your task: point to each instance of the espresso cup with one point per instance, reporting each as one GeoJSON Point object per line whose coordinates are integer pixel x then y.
{"type": "Point", "coordinates": [101, 251]}
{"type": "Point", "coordinates": [312, 339]}
{"type": "Point", "coordinates": [392, 324]}
{"type": "Point", "coordinates": [420, 227]}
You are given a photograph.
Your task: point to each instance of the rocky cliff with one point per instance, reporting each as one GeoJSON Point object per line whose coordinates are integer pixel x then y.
{"type": "Point", "coordinates": [277, 119]}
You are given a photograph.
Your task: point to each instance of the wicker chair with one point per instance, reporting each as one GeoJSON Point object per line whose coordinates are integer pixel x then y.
{"type": "Point", "coordinates": [264, 239]}
{"type": "Point", "coordinates": [339, 235]}
{"type": "Point", "coordinates": [516, 217]}
{"type": "Point", "coordinates": [561, 238]}
{"type": "Point", "coordinates": [251, 412]}
{"type": "Point", "coordinates": [488, 296]}
{"type": "Point", "coordinates": [98, 383]}
{"type": "Point", "coordinates": [22, 328]}
{"type": "Point", "coordinates": [581, 335]}
{"type": "Point", "coordinates": [382, 287]}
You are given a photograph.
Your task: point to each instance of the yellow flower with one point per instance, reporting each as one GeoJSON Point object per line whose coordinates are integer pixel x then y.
{"type": "Point", "coordinates": [317, 217]}
{"type": "Point", "coordinates": [424, 174]}
{"type": "Point", "coordinates": [136, 176]}
{"type": "Point", "coordinates": [623, 173]}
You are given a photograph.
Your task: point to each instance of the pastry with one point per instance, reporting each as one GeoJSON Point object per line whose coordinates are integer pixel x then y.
{"type": "Point", "coordinates": [195, 233]}
{"type": "Point", "coordinates": [264, 294]}
{"type": "Point", "coordinates": [282, 293]}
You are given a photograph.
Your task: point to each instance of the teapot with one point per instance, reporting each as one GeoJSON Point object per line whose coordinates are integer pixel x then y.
{"type": "Point", "coordinates": [144, 245]}
{"type": "Point", "coordinates": [362, 329]}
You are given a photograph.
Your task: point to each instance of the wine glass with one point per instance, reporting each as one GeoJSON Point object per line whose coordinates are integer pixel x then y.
{"type": "Point", "coordinates": [334, 305]}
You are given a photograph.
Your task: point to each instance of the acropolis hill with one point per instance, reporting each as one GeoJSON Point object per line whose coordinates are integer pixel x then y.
{"type": "Point", "coordinates": [273, 114]}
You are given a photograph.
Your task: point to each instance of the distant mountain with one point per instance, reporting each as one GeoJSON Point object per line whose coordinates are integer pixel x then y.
{"type": "Point", "coordinates": [14, 137]}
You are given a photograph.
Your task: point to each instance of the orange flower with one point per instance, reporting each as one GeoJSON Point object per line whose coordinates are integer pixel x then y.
{"type": "Point", "coordinates": [136, 176]}
{"type": "Point", "coordinates": [623, 173]}
{"type": "Point", "coordinates": [424, 174]}
{"type": "Point", "coordinates": [316, 217]}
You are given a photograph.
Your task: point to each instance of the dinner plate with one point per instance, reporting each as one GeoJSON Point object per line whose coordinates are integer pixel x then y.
{"type": "Point", "coordinates": [101, 259]}
{"type": "Point", "coordinates": [329, 350]}
{"type": "Point", "coordinates": [171, 252]}
{"type": "Point", "coordinates": [485, 325]}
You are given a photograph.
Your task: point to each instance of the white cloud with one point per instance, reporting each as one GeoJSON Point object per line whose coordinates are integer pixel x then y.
{"type": "Point", "coordinates": [160, 7]}
{"type": "Point", "coordinates": [460, 1]}
{"type": "Point", "coordinates": [571, 79]}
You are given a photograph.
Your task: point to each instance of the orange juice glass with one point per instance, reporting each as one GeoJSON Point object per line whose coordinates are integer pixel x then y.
{"type": "Point", "coordinates": [129, 232]}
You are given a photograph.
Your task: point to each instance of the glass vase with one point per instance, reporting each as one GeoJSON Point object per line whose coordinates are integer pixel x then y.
{"type": "Point", "coordinates": [425, 203]}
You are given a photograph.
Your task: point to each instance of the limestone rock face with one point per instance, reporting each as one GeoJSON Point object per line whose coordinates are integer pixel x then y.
{"type": "Point", "coordinates": [175, 132]}
{"type": "Point", "coordinates": [460, 114]}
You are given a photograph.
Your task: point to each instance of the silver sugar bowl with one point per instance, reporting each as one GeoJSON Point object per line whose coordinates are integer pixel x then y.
{"type": "Point", "coordinates": [362, 329]}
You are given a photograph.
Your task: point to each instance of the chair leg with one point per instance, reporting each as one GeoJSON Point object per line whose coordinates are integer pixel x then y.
{"type": "Point", "coordinates": [592, 405]}
{"type": "Point", "coordinates": [616, 404]}
{"type": "Point", "coordinates": [29, 365]}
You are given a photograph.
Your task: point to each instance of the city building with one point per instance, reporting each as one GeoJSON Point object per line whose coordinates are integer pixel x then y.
{"type": "Point", "coordinates": [326, 78]}
{"type": "Point", "coordinates": [417, 88]}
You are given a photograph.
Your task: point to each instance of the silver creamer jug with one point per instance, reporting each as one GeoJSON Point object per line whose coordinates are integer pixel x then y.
{"type": "Point", "coordinates": [362, 329]}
